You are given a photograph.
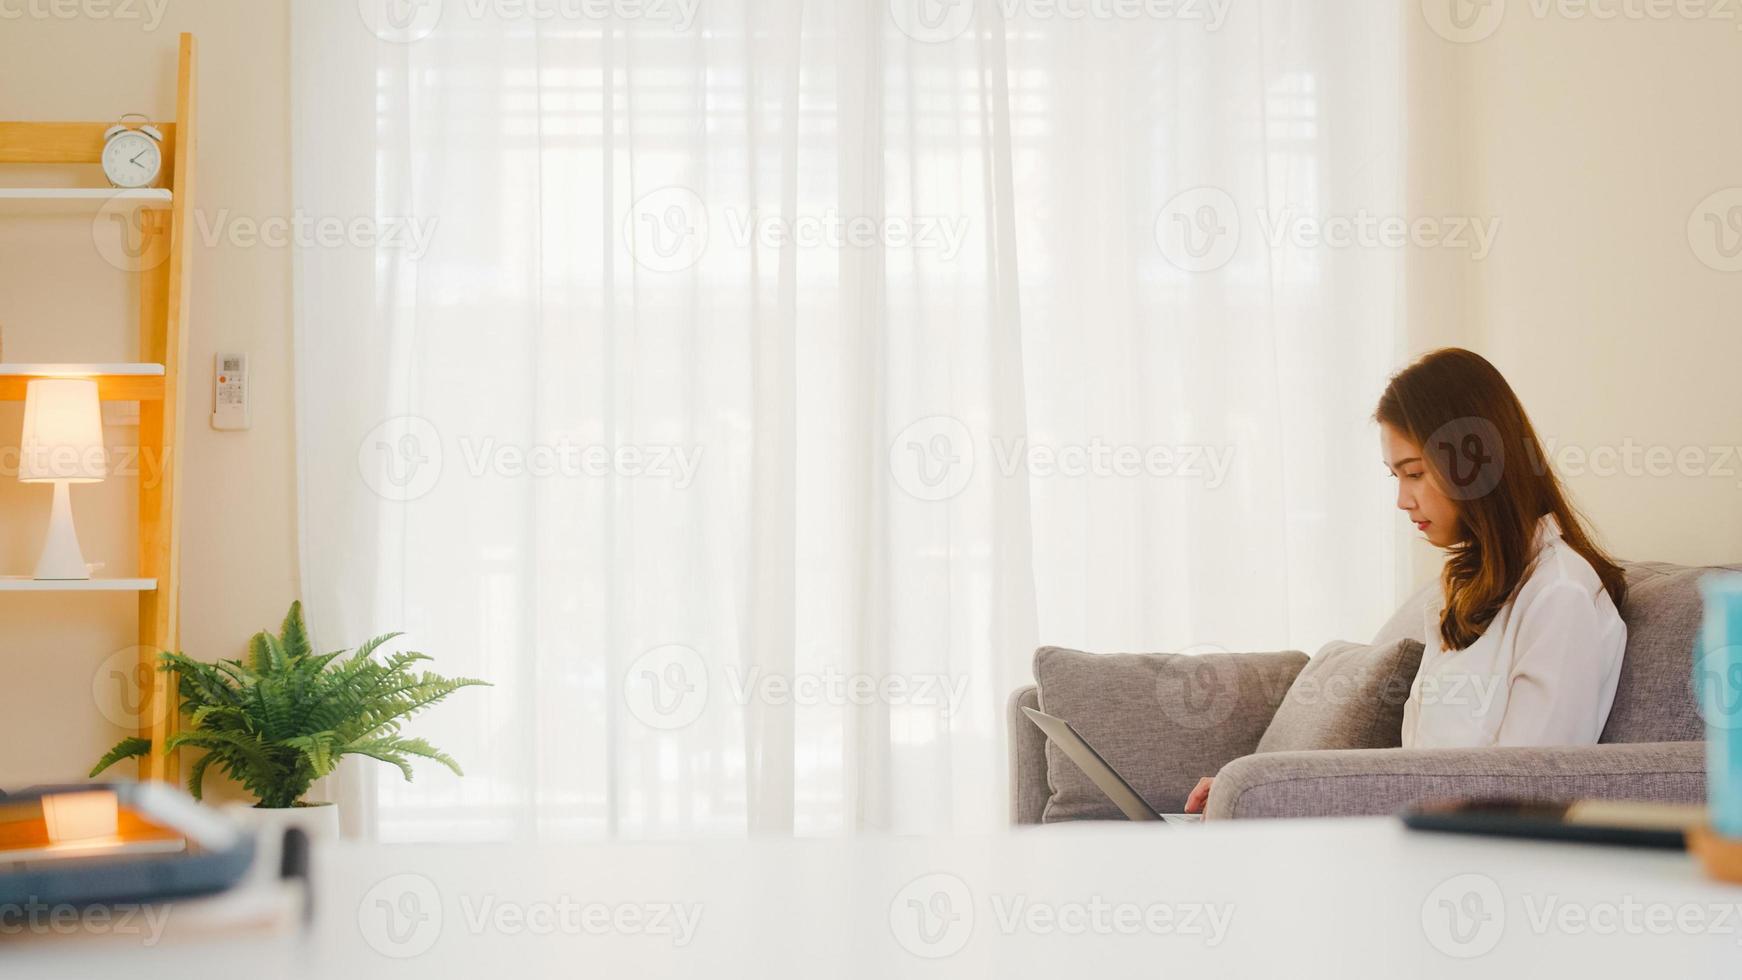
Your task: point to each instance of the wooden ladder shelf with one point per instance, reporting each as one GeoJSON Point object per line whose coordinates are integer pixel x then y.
{"type": "Point", "coordinates": [157, 383]}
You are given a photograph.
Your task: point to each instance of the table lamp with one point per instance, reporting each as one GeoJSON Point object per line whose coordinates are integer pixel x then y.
{"type": "Point", "coordinates": [63, 445]}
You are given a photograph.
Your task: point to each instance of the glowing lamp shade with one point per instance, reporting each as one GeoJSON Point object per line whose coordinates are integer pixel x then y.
{"type": "Point", "coordinates": [63, 433]}
{"type": "Point", "coordinates": [62, 445]}
{"type": "Point", "coordinates": [74, 817]}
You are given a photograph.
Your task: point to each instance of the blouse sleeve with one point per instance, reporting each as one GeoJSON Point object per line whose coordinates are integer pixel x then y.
{"type": "Point", "coordinates": [1559, 671]}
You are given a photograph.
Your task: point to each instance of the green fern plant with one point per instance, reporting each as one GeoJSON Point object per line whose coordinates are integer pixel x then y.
{"type": "Point", "coordinates": [285, 717]}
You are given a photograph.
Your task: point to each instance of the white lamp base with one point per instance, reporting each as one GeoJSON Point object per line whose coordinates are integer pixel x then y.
{"type": "Point", "coordinates": [61, 560]}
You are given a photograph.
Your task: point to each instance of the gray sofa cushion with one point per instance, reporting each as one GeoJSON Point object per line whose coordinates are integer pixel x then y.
{"type": "Point", "coordinates": [1654, 700]}
{"type": "Point", "coordinates": [1028, 792]}
{"type": "Point", "coordinates": [1371, 782]}
{"type": "Point", "coordinates": [1350, 696]}
{"type": "Point", "coordinates": [1162, 720]}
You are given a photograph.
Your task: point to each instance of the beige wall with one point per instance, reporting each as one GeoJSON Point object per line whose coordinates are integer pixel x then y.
{"type": "Point", "coordinates": [1593, 142]}
{"type": "Point", "coordinates": [60, 302]}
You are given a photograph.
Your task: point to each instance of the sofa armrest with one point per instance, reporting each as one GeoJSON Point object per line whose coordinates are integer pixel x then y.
{"type": "Point", "coordinates": [1028, 788]}
{"type": "Point", "coordinates": [1369, 782]}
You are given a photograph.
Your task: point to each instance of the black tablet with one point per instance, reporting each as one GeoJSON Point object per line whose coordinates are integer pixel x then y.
{"type": "Point", "coordinates": [1621, 822]}
{"type": "Point", "coordinates": [115, 842]}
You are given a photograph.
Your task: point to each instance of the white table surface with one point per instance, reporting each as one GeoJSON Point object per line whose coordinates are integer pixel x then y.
{"type": "Point", "coordinates": [1343, 898]}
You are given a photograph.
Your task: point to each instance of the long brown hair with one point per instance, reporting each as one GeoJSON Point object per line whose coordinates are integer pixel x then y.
{"type": "Point", "coordinates": [1483, 452]}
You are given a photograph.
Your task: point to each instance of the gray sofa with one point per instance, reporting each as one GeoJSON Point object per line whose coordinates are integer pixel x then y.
{"type": "Point", "coordinates": [1651, 748]}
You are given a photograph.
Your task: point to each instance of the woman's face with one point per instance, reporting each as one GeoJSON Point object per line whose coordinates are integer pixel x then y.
{"type": "Point", "coordinates": [1418, 494]}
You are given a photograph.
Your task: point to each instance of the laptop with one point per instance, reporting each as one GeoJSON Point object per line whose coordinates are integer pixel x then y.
{"type": "Point", "coordinates": [1078, 750]}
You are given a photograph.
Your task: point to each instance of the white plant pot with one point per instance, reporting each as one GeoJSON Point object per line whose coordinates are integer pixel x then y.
{"type": "Point", "coordinates": [320, 821]}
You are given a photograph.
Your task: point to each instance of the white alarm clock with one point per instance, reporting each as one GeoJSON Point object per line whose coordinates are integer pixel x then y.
{"type": "Point", "coordinates": [132, 156]}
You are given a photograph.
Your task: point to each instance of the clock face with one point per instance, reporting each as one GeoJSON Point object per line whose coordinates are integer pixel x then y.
{"type": "Point", "coordinates": [132, 159]}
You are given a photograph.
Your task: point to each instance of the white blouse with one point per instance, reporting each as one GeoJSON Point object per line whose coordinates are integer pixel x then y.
{"type": "Point", "coordinates": [1543, 673]}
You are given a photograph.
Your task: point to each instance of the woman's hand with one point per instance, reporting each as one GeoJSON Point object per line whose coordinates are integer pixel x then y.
{"type": "Point", "coordinates": [1199, 795]}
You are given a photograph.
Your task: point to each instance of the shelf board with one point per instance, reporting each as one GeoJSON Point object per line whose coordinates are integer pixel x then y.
{"type": "Point", "coordinates": [21, 583]}
{"type": "Point", "coordinates": [115, 382]}
{"type": "Point", "coordinates": [80, 370]}
{"type": "Point", "coordinates": [79, 200]}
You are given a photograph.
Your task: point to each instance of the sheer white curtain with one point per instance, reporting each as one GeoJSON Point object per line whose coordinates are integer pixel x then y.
{"type": "Point", "coordinates": [746, 387]}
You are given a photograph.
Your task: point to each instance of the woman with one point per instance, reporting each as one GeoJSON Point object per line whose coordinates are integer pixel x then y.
{"type": "Point", "coordinates": [1524, 642]}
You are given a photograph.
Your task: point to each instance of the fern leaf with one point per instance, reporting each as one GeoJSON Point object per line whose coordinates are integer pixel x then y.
{"type": "Point", "coordinates": [127, 748]}
{"type": "Point", "coordinates": [200, 683]}
{"type": "Point", "coordinates": [293, 634]}
{"type": "Point", "coordinates": [315, 665]}
{"type": "Point", "coordinates": [370, 646]}
{"type": "Point", "coordinates": [217, 716]}
{"type": "Point", "coordinates": [265, 654]}
{"type": "Point", "coordinates": [237, 671]}
{"type": "Point", "coordinates": [273, 708]}
{"type": "Point", "coordinates": [197, 775]}
{"type": "Point", "coordinates": [318, 749]}
{"type": "Point", "coordinates": [422, 749]}
{"type": "Point", "coordinates": [249, 749]}
{"type": "Point", "coordinates": [385, 756]}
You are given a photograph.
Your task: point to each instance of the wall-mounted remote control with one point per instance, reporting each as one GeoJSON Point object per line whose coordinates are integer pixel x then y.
{"type": "Point", "coordinates": [230, 391]}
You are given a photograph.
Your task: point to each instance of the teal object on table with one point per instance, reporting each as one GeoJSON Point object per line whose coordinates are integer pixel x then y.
{"type": "Point", "coordinates": [1718, 685]}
